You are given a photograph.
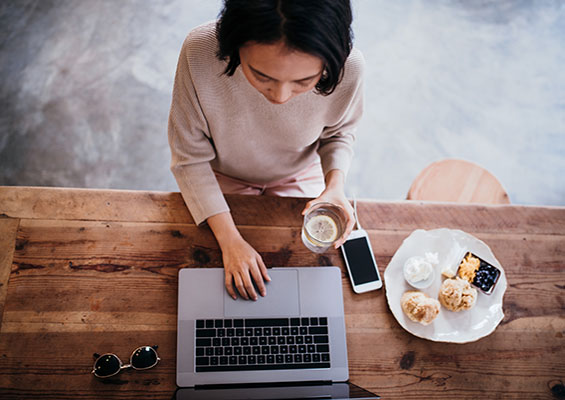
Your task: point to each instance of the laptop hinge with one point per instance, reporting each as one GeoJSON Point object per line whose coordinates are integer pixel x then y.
{"type": "Point", "coordinates": [260, 385]}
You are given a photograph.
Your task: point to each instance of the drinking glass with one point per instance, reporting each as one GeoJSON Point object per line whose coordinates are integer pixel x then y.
{"type": "Point", "coordinates": [324, 223]}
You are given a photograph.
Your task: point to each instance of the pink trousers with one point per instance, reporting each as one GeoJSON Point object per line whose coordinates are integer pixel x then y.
{"type": "Point", "coordinates": [307, 183]}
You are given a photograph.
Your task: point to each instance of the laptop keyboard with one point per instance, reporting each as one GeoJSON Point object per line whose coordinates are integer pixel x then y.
{"type": "Point", "coordinates": [262, 344]}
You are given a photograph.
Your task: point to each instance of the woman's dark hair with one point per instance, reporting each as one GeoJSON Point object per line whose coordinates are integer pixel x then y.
{"type": "Point", "coordinates": [318, 27]}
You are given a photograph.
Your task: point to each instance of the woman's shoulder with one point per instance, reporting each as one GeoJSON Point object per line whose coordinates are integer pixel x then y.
{"type": "Point", "coordinates": [201, 42]}
{"type": "Point", "coordinates": [354, 66]}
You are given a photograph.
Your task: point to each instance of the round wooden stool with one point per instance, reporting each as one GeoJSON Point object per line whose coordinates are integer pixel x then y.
{"type": "Point", "coordinates": [459, 181]}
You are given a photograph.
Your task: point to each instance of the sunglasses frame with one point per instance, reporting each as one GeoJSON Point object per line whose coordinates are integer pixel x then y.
{"type": "Point", "coordinates": [122, 366]}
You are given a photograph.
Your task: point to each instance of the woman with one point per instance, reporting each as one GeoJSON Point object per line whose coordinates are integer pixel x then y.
{"type": "Point", "coordinates": [265, 101]}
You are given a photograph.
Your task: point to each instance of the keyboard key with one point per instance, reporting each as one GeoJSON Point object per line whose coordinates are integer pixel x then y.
{"type": "Point", "coordinates": [242, 360]}
{"type": "Point", "coordinates": [290, 340]}
{"type": "Point", "coordinates": [285, 331]}
{"type": "Point", "coordinates": [252, 360]}
{"type": "Point", "coordinates": [221, 332]}
{"type": "Point", "coordinates": [305, 321]}
{"type": "Point", "coordinates": [235, 341]}
{"type": "Point", "coordinates": [265, 350]}
{"type": "Point", "coordinates": [205, 333]}
{"type": "Point", "coordinates": [276, 331]}
{"type": "Point", "coordinates": [325, 357]}
{"type": "Point", "coordinates": [294, 331]}
{"type": "Point", "coordinates": [202, 361]}
{"type": "Point", "coordinates": [302, 349]}
{"type": "Point", "coordinates": [223, 360]}
{"type": "Point", "coordinates": [279, 359]}
{"type": "Point", "coordinates": [322, 348]}
{"type": "Point", "coordinates": [274, 349]}
{"type": "Point", "coordinates": [314, 321]}
{"type": "Point", "coordinates": [262, 340]}
{"type": "Point", "coordinates": [267, 331]}
{"type": "Point", "coordinates": [237, 351]}
{"type": "Point", "coordinates": [288, 358]}
{"type": "Point", "coordinates": [247, 350]}
{"type": "Point", "coordinates": [323, 321]}
{"type": "Point", "coordinates": [292, 349]}
{"type": "Point", "coordinates": [248, 331]}
{"type": "Point", "coordinates": [270, 359]}
{"type": "Point", "coordinates": [253, 341]}
{"type": "Point", "coordinates": [311, 348]}
{"type": "Point", "coordinates": [295, 321]}
{"type": "Point", "coordinates": [230, 332]}
{"type": "Point", "coordinates": [258, 331]}
{"type": "Point", "coordinates": [218, 323]}
{"type": "Point", "coordinates": [239, 332]}
{"type": "Point", "coordinates": [209, 323]}
{"type": "Point", "coordinates": [233, 360]}
{"type": "Point", "coordinates": [303, 330]}
{"type": "Point", "coordinates": [256, 350]}
{"type": "Point", "coordinates": [280, 340]}
{"type": "Point", "coordinates": [200, 323]}
{"type": "Point", "coordinates": [318, 330]}
{"type": "Point", "coordinates": [214, 360]}
{"type": "Point", "coordinates": [316, 357]}
{"type": "Point", "coordinates": [321, 339]}
{"type": "Point", "coordinates": [228, 323]}
{"type": "Point", "coordinates": [238, 323]}
{"type": "Point", "coordinates": [228, 351]}
{"type": "Point", "coordinates": [307, 358]}
{"type": "Point", "coordinates": [199, 351]}
{"type": "Point", "coordinates": [218, 351]}
{"type": "Point", "coordinates": [308, 339]}
{"type": "Point", "coordinates": [225, 342]}
{"type": "Point", "coordinates": [272, 340]}
{"type": "Point", "coordinates": [299, 339]}
{"type": "Point", "coordinates": [283, 349]}
{"type": "Point", "coordinates": [261, 359]}
{"type": "Point", "coordinates": [209, 351]}
{"type": "Point", "coordinates": [203, 342]}
{"type": "Point", "coordinates": [298, 358]}
{"type": "Point", "coordinates": [245, 341]}
{"type": "Point", "coordinates": [216, 341]}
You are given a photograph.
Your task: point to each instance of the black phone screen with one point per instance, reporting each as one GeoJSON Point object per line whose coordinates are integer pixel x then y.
{"type": "Point", "coordinates": [361, 265]}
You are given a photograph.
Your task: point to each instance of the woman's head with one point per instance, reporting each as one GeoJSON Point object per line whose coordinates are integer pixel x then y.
{"type": "Point", "coordinates": [314, 35]}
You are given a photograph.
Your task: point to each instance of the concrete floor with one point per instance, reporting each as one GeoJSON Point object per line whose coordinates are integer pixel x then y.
{"type": "Point", "coordinates": [85, 92]}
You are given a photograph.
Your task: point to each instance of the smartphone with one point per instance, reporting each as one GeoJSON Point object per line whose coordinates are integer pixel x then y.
{"type": "Point", "coordinates": [361, 263]}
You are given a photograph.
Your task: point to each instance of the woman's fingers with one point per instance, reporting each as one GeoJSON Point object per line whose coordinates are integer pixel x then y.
{"type": "Point", "coordinates": [258, 278]}
{"type": "Point", "coordinates": [248, 284]}
{"type": "Point", "coordinates": [229, 285]}
{"type": "Point", "coordinates": [240, 285]}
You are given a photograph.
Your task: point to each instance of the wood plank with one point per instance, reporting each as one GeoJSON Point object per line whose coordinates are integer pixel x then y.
{"type": "Point", "coordinates": [143, 206]}
{"type": "Point", "coordinates": [8, 231]}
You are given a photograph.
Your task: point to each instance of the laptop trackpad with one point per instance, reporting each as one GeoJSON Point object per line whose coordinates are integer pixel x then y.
{"type": "Point", "coordinates": [281, 300]}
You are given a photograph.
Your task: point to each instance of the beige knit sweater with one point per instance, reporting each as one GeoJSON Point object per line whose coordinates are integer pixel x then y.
{"type": "Point", "coordinates": [224, 124]}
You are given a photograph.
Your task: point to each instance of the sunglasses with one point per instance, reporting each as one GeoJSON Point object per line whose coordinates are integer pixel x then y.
{"type": "Point", "coordinates": [107, 365]}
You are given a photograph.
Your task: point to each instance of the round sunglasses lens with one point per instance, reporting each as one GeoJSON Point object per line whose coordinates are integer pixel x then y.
{"type": "Point", "coordinates": [144, 357]}
{"type": "Point", "coordinates": [107, 365]}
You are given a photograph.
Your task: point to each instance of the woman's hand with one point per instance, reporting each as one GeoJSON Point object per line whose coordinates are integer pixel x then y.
{"type": "Point", "coordinates": [333, 193]}
{"type": "Point", "coordinates": [242, 264]}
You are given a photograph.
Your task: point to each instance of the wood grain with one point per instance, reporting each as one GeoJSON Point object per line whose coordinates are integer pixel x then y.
{"type": "Point", "coordinates": [79, 285]}
{"type": "Point", "coordinates": [8, 230]}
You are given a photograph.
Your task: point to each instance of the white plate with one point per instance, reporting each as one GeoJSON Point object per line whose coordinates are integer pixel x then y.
{"type": "Point", "coordinates": [455, 327]}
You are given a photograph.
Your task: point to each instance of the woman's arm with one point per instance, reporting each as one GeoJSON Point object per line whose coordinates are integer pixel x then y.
{"type": "Point", "coordinates": [242, 264]}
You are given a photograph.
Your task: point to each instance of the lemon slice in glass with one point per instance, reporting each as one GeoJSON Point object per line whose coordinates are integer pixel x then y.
{"type": "Point", "coordinates": [322, 228]}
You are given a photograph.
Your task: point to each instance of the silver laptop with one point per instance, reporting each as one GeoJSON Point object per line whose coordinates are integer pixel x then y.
{"type": "Point", "coordinates": [294, 334]}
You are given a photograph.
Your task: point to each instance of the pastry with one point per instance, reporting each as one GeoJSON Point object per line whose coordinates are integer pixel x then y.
{"type": "Point", "coordinates": [457, 294]}
{"type": "Point", "coordinates": [419, 307]}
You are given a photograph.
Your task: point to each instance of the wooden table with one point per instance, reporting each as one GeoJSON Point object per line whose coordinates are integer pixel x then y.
{"type": "Point", "coordinates": [84, 271]}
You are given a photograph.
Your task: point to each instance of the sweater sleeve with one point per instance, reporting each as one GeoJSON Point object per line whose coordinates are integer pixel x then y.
{"type": "Point", "coordinates": [336, 141]}
{"type": "Point", "coordinates": [192, 147]}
